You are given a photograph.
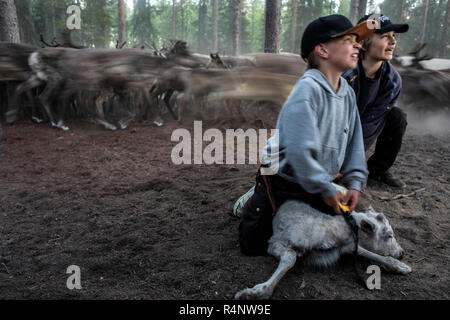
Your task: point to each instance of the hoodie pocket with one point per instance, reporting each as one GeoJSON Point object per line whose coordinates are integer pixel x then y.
{"type": "Point", "coordinates": [329, 160]}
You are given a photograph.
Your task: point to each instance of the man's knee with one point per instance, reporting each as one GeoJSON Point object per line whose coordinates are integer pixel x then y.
{"type": "Point", "coordinates": [397, 118]}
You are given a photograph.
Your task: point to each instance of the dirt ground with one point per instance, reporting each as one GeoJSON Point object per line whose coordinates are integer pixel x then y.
{"type": "Point", "coordinates": [141, 227]}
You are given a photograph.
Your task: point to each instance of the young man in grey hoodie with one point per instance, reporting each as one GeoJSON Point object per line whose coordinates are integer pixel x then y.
{"type": "Point", "coordinates": [319, 136]}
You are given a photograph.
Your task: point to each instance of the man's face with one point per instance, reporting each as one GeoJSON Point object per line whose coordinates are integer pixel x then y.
{"type": "Point", "coordinates": [343, 52]}
{"type": "Point", "coordinates": [382, 46]}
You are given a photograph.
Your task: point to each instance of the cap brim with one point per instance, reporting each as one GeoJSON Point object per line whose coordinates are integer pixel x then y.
{"type": "Point", "coordinates": [363, 30]}
{"type": "Point", "coordinates": [399, 28]}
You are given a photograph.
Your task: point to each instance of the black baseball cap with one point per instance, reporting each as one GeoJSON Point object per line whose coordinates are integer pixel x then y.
{"type": "Point", "coordinates": [384, 24]}
{"type": "Point", "coordinates": [332, 26]}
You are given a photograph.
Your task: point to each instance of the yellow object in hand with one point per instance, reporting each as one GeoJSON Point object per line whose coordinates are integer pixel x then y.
{"type": "Point", "coordinates": [344, 208]}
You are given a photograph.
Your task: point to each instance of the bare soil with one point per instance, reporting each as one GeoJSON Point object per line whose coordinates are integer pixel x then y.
{"type": "Point", "coordinates": [141, 227]}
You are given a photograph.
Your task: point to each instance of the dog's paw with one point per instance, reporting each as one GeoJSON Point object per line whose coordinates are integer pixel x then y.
{"type": "Point", "coordinates": [258, 292]}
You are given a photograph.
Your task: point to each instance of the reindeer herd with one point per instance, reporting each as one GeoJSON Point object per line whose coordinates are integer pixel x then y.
{"type": "Point", "coordinates": [58, 83]}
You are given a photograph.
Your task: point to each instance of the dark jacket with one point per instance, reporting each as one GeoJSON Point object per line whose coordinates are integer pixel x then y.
{"type": "Point", "coordinates": [374, 97]}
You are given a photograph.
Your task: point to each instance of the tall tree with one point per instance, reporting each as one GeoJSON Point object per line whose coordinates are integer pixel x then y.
{"type": "Point", "coordinates": [122, 22]}
{"type": "Point", "coordinates": [294, 25]}
{"type": "Point", "coordinates": [53, 18]}
{"type": "Point", "coordinates": [174, 21]}
{"type": "Point", "coordinates": [361, 9]}
{"type": "Point", "coordinates": [26, 24]}
{"type": "Point", "coordinates": [272, 26]}
{"type": "Point", "coordinates": [237, 15]}
{"type": "Point", "coordinates": [357, 10]}
{"type": "Point", "coordinates": [9, 24]}
{"type": "Point", "coordinates": [182, 12]}
{"type": "Point", "coordinates": [142, 27]}
{"type": "Point", "coordinates": [202, 13]}
{"type": "Point", "coordinates": [444, 37]}
{"type": "Point", "coordinates": [354, 10]}
{"type": "Point", "coordinates": [426, 6]}
{"type": "Point", "coordinates": [402, 12]}
{"type": "Point", "coordinates": [215, 11]}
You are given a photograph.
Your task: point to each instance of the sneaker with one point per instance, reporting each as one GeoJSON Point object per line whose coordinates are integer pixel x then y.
{"type": "Point", "coordinates": [239, 205]}
{"type": "Point", "coordinates": [388, 179]}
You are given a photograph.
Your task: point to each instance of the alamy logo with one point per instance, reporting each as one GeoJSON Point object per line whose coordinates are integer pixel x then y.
{"type": "Point", "coordinates": [74, 281]}
{"type": "Point", "coordinates": [374, 21]}
{"type": "Point", "coordinates": [213, 153]}
{"type": "Point", "coordinates": [74, 21]}
{"type": "Point", "coordinates": [374, 281]}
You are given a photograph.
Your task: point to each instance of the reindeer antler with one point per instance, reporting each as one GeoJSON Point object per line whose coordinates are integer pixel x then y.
{"type": "Point", "coordinates": [53, 45]}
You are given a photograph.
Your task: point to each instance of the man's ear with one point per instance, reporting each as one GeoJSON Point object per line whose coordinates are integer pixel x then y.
{"type": "Point", "coordinates": [367, 226]}
{"type": "Point", "coordinates": [321, 50]}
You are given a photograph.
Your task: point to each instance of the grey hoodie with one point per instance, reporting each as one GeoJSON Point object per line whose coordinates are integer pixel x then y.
{"type": "Point", "coordinates": [319, 135]}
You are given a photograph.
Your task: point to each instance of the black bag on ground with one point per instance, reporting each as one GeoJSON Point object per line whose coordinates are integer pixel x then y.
{"type": "Point", "coordinates": [255, 227]}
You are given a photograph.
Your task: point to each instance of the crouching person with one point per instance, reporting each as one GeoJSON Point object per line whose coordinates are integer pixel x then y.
{"type": "Point", "coordinates": [319, 135]}
{"type": "Point", "coordinates": [377, 87]}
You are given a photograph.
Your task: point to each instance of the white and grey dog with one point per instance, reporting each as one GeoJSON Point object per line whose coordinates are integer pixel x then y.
{"type": "Point", "coordinates": [301, 231]}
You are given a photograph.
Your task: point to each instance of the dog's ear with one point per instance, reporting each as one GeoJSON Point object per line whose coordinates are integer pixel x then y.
{"type": "Point", "coordinates": [368, 226]}
{"type": "Point", "coordinates": [370, 209]}
{"type": "Point", "coordinates": [380, 217]}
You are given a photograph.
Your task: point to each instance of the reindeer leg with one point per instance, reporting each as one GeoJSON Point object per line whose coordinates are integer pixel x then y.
{"type": "Point", "coordinates": [61, 112]}
{"type": "Point", "coordinates": [126, 121]}
{"type": "Point", "coordinates": [35, 116]}
{"type": "Point", "coordinates": [264, 290]}
{"type": "Point", "coordinates": [198, 105]}
{"type": "Point", "coordinates": [100, 114]}
{"type": "Point", "coordinates": [183, 100]}
{"type": "Point", "coordinates": [157, 120]}
{"type": "Point", "coordinates": [44, 99]}
{"type": "Point", "coordinates": [388, 263]}
{"type": "Point", "coordinates": [33, 82]}
{"type": "Point", "coordinates": [167, 97]}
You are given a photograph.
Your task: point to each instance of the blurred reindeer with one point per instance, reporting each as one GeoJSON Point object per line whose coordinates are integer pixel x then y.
{"type": "Point", "coordinates": [423, 89]}
{"type": "Point", "coordinates": [104, 72]}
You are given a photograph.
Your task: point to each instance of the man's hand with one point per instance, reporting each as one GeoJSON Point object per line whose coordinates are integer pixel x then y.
{"type": "Point", "coordinates": [333, 202]}
{"type": "Point", "coordinates": [351, 199]}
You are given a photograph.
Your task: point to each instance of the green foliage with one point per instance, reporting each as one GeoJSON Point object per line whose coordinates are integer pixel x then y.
{"type": "Point", "coordinates": [414, 17]}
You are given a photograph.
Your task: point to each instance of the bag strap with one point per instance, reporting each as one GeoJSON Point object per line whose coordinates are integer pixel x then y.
{"type": "Point", "coordinates": [355, 231]}
{"type": "Point", "coordinates": [269, 193]}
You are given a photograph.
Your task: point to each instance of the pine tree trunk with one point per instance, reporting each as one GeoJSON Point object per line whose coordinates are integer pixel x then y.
{"type": "Point", "coordinates": [424, 21]}
{"type": "Point", "coordinates": [26, 25]}
{"type": "Point", "coordinates": [402, 13]}
{"type": "Point", "coordinates": [215, 29]}
{"type": "Point", "coordinates": [202, 12]}
{"type": "Point", "coordinates": [444, 38]}
{"type": "Point", "coordinates": [272, 26]}
{"type": "Point", "coordinates": [122, 22]}
{"type": "Point", "coordinates": [294, 24]}
{"type": "Point", "coordinates": [361, 9]}
{"type": "Point", "coordinates": [106, 30]}
{"type": "Point", "coordinates": [182, 18]}
{"type": "Point", "coordinates": [253, 24]}
{"type": "Point", "coordinates": [53, 17]}
{"type": "Point", "coordinates": [174, 25]}
{"type": "Point", "coordinates": [237, 13]}
{"type": "Point", "coordinates": [9, 24]}
{"type": "Point", "coordinates": [354, 11]}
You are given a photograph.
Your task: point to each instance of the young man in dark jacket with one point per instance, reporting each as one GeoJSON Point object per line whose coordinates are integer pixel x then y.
{"type": "Point", "coordinates": [377, 87]}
